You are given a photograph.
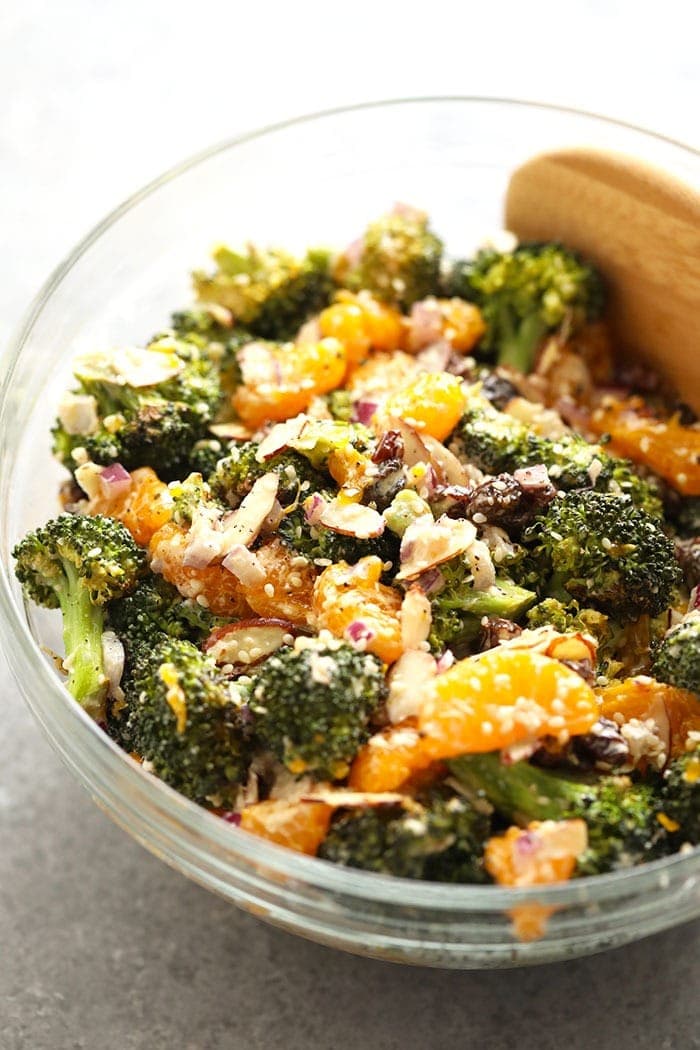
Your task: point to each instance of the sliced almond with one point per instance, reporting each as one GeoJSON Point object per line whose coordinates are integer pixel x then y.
{"type": "Point", "coordinates": [338, 797]}
{"type": "Point", "coordinates": [244, 524]}
{"type": "Point", "coordinates": [248, 642]}
{"type": "Point", "coordinates": [483, 571]}
{"type": "Point", "coordinates": [444, 462]}
{"type": "Point", "coordinates": [245, 566]}
{"type": "Point", "coordinates": [408, 684]}
{"type": "Point", "coordinates": [427, 543]}
{"type": "Point", "coordinates": [352, 519]}
{"type": "Point", "coordinates": [204, 537]}
{"type": "Point", "coordinates": [129, 366]}
{"type": "Point", "coordinates": [415, 617]}
{"type": "Point", "coordinates": [280, 437]}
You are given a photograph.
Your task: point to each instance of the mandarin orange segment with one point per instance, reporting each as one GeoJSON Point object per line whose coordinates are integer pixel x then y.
{"type": "Point", "coordinates": [361, 323]}
{"type": "Point", "coordinates": [389, 758]}
{"type": "Point", "coordinates": [301, 826]}
{"type": "Point", "coordinates": [643, 698]}
{"type": "Point", "coordinates": [280, 381]}
{"type": "Point", "coordinates": [213, 587]}
{"type": "Point", "coordinates": [432, 403]}
{"type": "Point", "coordinates": [143, 508]}
{"type": "Point", "coordinates": [543, 852]}
{"type": "Point", "coordinates": [288, 588]}
{"type": "Point", "coordinates": [463, 324]}
{"type": "Point", "coordinates": [345, 594]}
{"type": "Point", "coordinates": [671, 450]}
{"type": "Point", "coordinates": [504, 697]}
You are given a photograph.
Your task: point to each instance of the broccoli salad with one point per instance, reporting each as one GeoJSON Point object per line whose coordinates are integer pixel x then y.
{"type": "Point", "coordinates": [386, 556]}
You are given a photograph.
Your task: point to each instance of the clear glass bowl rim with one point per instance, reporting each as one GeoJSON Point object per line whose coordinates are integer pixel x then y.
{"type": "Point", "coordinates": [203, 826]}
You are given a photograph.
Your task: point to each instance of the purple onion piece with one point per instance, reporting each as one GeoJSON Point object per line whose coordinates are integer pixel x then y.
{"type": "Point", "coordinates": [358, 631]}
{"type": "Point", "coordinates": [363, 411]}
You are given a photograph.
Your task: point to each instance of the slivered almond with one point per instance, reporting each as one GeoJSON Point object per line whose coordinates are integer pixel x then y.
{"type": "Point", "coordinates": [280, 437]}
{"type": "Point", "coordinates": [248, 642]}
{"type": "Point", "coordinates": [352, 519]}
{"type": "Point", "coordinates": [338, 797]}
{"type": "Point", "coordinates": [245, 566]}
{"type": "Point", "coordinates": [408, 684]}
{"type": "Point", "coordinates": [444, 462]}
{"type": "Point", "coordinates": [427, 543]}
{"type": "Point", "coordinates": [244, 524]}
{"type": "Point", "coordinates": [415, 618]}
{"type": "Point", "coordinates": [129, 366]}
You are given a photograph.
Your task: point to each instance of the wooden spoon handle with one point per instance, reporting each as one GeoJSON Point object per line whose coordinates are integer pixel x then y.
{"type": "Point", "coordinates": [642, 228]}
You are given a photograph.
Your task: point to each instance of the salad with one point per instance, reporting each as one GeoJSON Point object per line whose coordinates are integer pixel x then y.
{"type": "Point", "coordinates": [386, 557]}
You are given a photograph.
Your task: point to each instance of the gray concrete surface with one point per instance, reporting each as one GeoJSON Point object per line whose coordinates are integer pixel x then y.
{"type": "Point", "coordinates": [101, 946]}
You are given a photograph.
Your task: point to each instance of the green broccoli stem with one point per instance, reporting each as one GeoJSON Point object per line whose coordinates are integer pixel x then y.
{"type": "Point", "coordinates": [518, 342]}
{"type": "Point", "coordinates": [83, 623]}
{"type": "Point", "coordinates": [519, 791]}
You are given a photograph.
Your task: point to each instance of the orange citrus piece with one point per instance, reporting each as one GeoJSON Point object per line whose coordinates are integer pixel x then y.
{"type": "Point", "coordinates": [301, 826]}
{"type": "Point", "coordinates": [543, 853]}
{"type": "Point", "coordinates": [432, 403]}
{"type": "Point", "coordinates": [504, 697]}
{"type": "Point", "coordinates": [389, 758]}
{"type": "Point", "coordinates": [280, 381]}
{"type": "Point", "coordinates": [644, 698]}
{"type": "Point", "coordinates": [213, 586]}
{"type": "Point", "coordinates": [143, 508]}
{"type": "Point", "coordinates": [344, 594]}
{"type": "Point", "coordinates": [671, 450]}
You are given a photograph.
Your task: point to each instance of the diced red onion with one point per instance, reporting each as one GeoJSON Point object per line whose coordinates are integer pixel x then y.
{"type": "Point", "coordinates": [695, 598]}
{"type": "Point", "coordinates": [358, 631]}
{"type": "Point", "coordinates": [445, 661]}
{"type": "Point", "coordinates": [528, 843]}
{"type": "Point", "coordinates": [232, 818]}
{"type": "Point", "coordinates": [363, 411]}
{"type": "Point", "coordinates": [532, 478]}
{"type": "Point", "coordinates": [115, 479]}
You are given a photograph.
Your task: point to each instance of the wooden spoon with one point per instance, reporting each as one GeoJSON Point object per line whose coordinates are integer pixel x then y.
{"type": "Point", "coordinates": [642, 228]}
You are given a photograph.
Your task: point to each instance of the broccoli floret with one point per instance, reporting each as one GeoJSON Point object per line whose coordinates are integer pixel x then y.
{"type": "Point", "coordinates": [78, 564]}
{"type": "Point", "coordinates": [399, 259]}
{"type": "Point", "coordinates": [340, 405]}
{"type": "Point", "coordinates": [568, 618]}
{"type": "Point", "coordinates": [602, 551]}
{"type": "Point", "coordinates": [151, 406]}
{"type": "Point", "coordinates": [155, 610]}
{"type": "Point", "coordinates": [677, 658]}
{"type": "Point", "coordinates": [680, 796]}
{"type": "Point", "coordinates": [268, 290]}
{"type": "Point", "coordinates": [183, 718]}
{"type": "Point", "coordinates": [458, 609]}
{"type": "Point", "coordinates": [442, 841]}
{"type": "Point", "coordinates": [623, 826]}
{"type": "Point", "coordinates": [498, 443]}
{"type": "Point", "coordinates": [204, 456]}
{"type": "Point", "coordinates": [526, 294]}
{"type": "Point", "coordinates": [312, 705]}
{"type": "Point", "coordinates": [202, 321]}
{"type": "Point", "coordinates": [235, 475]}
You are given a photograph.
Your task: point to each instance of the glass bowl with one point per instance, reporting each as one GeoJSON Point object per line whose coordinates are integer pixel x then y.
{"type": "Point", "coordinates": [311, 180]}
